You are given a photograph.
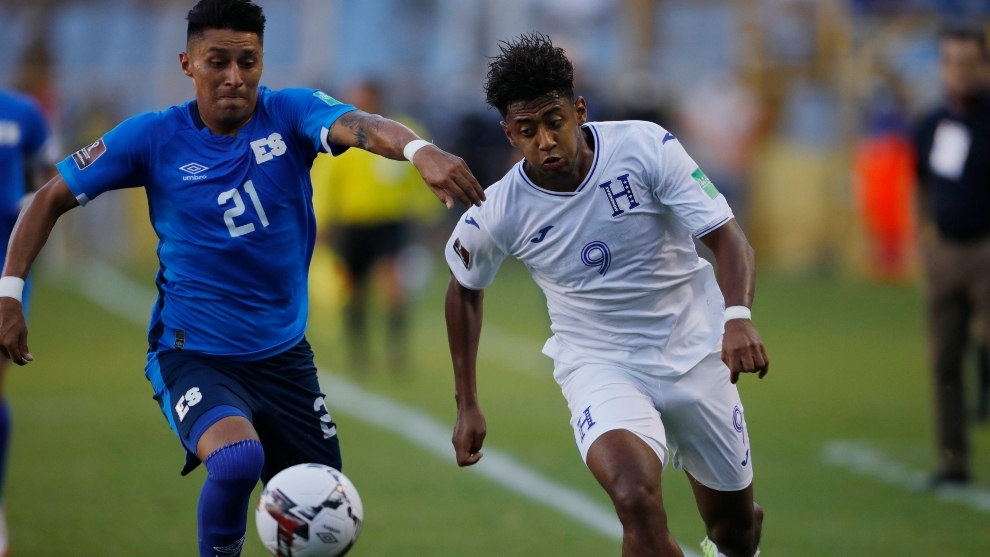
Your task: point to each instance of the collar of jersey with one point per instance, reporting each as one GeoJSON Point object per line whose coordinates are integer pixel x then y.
{"type": "Point", "coordinates": [587, 179]}
{"type": "Point", "coordinates": [192, 114]}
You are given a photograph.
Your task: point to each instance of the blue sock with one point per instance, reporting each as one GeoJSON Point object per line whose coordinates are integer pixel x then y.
{"type": "Point", "coordinates": [231, 474]}
{"type": "Point", "coordinates": [4, 441]}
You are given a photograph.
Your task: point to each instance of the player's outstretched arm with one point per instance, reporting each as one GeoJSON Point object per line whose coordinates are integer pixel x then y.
{"type": "Point", "coordinates": [30, 234]}
{"type": "Point", "coordinates": [447, 176]}
{"type": "Point", "coordinates": [463, 308]}
{"type": "Point", "coordinates": [742, 347]}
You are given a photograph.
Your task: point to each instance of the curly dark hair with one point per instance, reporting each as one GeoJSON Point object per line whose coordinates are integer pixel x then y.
{"type": "Point", "coordinates": [526, 69]}
{"type": "Point", "coordinates": [236, 15]}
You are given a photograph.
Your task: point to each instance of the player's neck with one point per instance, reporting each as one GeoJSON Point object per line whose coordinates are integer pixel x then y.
{"type": "Point", "coordinates": [219, 127]}
{"type": "Point", "coordinates": [572, 180]}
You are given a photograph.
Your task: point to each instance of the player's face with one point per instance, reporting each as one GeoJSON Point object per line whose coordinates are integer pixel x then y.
{"type": "Point", "coordinates": [963, 66]}
{"type": "Point", "coordinates": [225, 67]}
{"type": "Point", "coordinates": [547, 131]}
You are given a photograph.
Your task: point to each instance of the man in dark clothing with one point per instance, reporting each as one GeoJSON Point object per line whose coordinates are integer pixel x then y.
{"type": "Point", "coordinates": [954, 200]}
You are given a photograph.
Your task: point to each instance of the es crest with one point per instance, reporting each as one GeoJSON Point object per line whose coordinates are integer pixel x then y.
{"type": "Point", "coordinates": [267, 148]}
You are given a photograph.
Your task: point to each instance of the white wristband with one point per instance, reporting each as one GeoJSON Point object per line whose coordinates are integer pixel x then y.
{"type": "Point", "coordinates": [409, 151]}
{"type": "Point", "coordinates": [12, 287]}
{"type": "Point", "coordinates": [737, 312]}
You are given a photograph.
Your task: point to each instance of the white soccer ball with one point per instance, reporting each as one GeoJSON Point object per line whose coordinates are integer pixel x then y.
{"type": "Point", "coordinates": [309, 510]}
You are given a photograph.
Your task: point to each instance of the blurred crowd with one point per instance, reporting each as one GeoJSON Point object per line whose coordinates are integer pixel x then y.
{"type": "Point", "coordinates": [799, 110]}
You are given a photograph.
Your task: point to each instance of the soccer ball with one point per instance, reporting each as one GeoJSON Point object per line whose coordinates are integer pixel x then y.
{"type": "Point", "coordinates": [309, 510]}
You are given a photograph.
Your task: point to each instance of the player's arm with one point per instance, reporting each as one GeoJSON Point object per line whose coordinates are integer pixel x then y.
{"type": "Point", "coordinates": [33, 227]}
{"type": "Point", "coordinates": [742, 348]}
{"type": "Point", "coordinates": [447, 176]}
{"type": "Point", "coordinates": [463, 309]}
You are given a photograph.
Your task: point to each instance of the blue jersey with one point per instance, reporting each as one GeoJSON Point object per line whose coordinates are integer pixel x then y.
{"type": "Point", "coordinates": [234, 217]}
{"type": "Point", "coordinates": [23, 134]}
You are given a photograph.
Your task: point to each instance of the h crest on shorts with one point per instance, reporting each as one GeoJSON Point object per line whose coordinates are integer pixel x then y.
{"type": "Point", "coordinates": [585, 422]}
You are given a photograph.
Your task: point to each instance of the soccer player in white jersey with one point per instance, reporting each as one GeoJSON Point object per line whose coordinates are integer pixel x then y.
{"type": "Point", "coordinates": [604, 216]}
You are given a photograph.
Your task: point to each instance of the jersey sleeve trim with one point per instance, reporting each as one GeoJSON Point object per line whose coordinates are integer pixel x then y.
{"type": "Point", "coordinates": [71, 182]}
{"type": "Point", "coordinates": [333, 148]}
{"type": "Point", "coordinates": [715, 224]}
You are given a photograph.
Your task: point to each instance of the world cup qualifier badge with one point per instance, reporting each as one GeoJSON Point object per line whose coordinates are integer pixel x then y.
{"type": "Point", "coordinates": [463, 253]}
{"type": "Point", "coordinates": [87, 155]}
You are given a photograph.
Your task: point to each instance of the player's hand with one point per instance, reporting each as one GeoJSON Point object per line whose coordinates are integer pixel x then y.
{"type": "Point", "coordinates": [469, 434]}
{"type": "Point", "coordinates": [742, 349]}
{"type": "Point", "coordinates": [13, 332]}
{"type": "Point", "coordinates": [448, 177]}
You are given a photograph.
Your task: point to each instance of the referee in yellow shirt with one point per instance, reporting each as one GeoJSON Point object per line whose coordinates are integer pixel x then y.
{"type": "Point", "coordinates": [371, 204]}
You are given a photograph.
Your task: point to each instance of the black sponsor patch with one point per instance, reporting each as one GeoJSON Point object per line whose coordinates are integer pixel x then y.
{"type": "Point", "coordinates": [88, 155]}
{"type": "Point", "coordinates": [463, 253]}
{"type": "Point", "coordinates": [180, 339]}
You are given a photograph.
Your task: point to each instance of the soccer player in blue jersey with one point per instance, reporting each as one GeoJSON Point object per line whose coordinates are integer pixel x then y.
{"type": "Point", "coordinates": [26, 155]}
{"type": "Point", "coordinates": [227, 179]}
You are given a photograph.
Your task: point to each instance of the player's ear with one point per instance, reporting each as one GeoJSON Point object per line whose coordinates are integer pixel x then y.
{"type": "Point", "coordinates": [508, 134]}
{"type": "Point", "coordinates": [581, 111]}
{"type": "Point", "coordinates": [186, 63]}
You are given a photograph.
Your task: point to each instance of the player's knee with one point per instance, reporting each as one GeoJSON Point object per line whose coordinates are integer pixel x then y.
{"type": "Point", "coordinates": [635, 500]}
{"type": "Point", "coordinates": [242, 461]}
{"type": "Point", "coordinates": [738, 536]}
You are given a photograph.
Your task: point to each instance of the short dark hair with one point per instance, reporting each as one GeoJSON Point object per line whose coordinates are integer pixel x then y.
{"type": "Point", "coordinates": [235, 15]}
{"type": "Point", "coordinates": [526, 69]}
{"type": "Point", "coordinates": [965, 31]}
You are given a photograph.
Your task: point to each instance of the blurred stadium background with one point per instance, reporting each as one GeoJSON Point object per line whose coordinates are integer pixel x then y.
{"type": "Point", "coordinates": [799, 110]}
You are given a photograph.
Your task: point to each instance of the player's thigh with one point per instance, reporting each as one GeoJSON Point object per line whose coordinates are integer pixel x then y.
{"type": "Point", "coordinates": [603, 398]}
{"type": "Point", "coordinates": [291, 415]}
{"type": "Point", "coordinates": [626, 467]}
{"type": "Point", "coordinates": [225, 431]}
{"type": "Point", "coordinates": [706, 426]}
{"type": "Point", "coordinates": [195, 392]}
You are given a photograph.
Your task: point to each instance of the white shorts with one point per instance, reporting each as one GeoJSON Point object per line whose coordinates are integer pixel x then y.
{"type": "Point", "coordinates": [695, 419]}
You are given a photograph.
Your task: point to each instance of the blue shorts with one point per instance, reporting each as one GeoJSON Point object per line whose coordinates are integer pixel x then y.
{"type": "Point", "coordinates": [280, 395]}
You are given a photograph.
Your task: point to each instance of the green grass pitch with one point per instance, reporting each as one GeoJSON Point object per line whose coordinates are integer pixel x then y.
{"type": "Point", "coordinates": [94, 467]}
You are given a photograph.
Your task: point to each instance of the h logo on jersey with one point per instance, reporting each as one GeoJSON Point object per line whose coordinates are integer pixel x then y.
{"type": "Point", "coordinates": [585, 422]}
{"type": "Point", "coordinates": [267, 148]}
{"type": "Point", "coordinates": [613, 198]}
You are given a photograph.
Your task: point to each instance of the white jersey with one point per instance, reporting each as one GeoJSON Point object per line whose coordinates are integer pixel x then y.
{"type": "Point", "coordinates": [616, 258]}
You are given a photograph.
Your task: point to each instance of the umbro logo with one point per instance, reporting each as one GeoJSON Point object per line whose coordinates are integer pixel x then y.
{"type": "Point", "coordinates": [194, 169]}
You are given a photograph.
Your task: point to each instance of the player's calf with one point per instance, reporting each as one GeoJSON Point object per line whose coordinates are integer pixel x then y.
{"type": "Point", "coordinates": [738, 537]}
{"type": "Point", "coordinates": [232, 472]}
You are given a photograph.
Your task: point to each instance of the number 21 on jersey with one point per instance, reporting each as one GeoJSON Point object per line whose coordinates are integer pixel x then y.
{"type": "Point", "coordinates": [238, 209]}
